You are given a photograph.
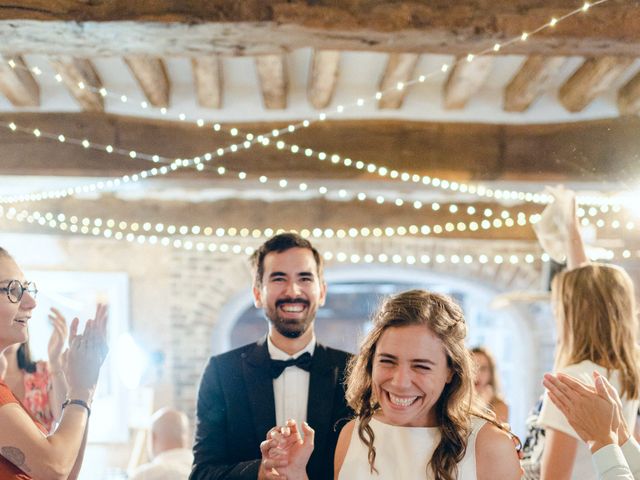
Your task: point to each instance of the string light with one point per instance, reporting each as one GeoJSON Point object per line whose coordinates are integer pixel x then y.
{"type": "Point", "coordinates": [85, 228]}
{"type": "Point", "coordinates": [444, 184]}
{"type": "Point", "coordinates": [464, 188]}
{"type": "Point", "coordinates": [359, 102]}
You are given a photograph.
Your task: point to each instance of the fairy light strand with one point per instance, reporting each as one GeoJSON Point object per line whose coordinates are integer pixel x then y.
{"type": "Point", "coordinates": [340, 108]}
{"type": "Point", "coordinates": [197, 244]}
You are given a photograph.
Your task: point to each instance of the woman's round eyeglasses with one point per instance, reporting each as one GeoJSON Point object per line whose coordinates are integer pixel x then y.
{"type": "Point", "coordinates": [15, 290]}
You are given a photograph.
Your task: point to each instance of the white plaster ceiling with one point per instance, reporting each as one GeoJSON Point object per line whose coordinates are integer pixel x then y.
{"type": "Point", "coordinates": [360, 73]}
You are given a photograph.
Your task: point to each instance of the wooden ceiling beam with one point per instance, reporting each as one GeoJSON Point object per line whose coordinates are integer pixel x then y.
{"type": "Point", "coordinates": [323, 77]}
{"type": "Point", "coordinates": [399, 70]}
{"type": "Point", "coordinates": [274, 81]}
{"type": "Point", "coordinates": [629, 96]}
{"type": "Point", "coordinates": [272, 26]}
{"type": "Point", "coordinates": [591, 79]}
{"type": "Point", "coordinates": [151, 75]}
{"type": "Point", "coordinates": [530, 82]}
{"type": "Point", "coordinates": [465, 79]}
{"type": "Point", "coordinates": [207, 77]}
{"type": "Point", "coordinates": [82, 80]}
{"type": "Point", "coordinates": [604, 150]}
{"type": "Point", "coordinates": [17, 83]}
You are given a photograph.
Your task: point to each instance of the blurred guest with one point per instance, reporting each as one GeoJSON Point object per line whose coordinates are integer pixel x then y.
{"type": "Point", "coordinates": [169, 448]}
{"type": "Point", "coordinates": [487, 384]}
{"type": "Point", "coordinates": [40, 386]}
{"type": "Point", "coordinates": [26, 449]}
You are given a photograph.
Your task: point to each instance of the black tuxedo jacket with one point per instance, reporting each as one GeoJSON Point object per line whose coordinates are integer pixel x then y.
{"type": "Point", "coordinates": [236, 409]}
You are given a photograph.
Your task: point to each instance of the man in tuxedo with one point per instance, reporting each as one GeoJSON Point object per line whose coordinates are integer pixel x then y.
{"type": "Point", "coordinates": [287, 374]}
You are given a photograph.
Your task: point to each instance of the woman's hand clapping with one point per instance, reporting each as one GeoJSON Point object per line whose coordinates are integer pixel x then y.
{"type": "Point", "coordinates": [86, 354]}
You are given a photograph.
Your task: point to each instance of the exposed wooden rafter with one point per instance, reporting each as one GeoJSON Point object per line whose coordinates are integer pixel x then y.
{"type": "Point", "coordinates": [207, 77]}
{"type": "Point", "coordinates": [465, 79]}
{"type": "Point", "coordinates": [629, 96]}
{"type": "Point", "coordinates": [399, 70]}
{"type": "Point", "coordinates": [323, 77]}
{"type": "Point", "coordinates": [590, 80]}
{"type": "Point", "coordinates": [274, 82]}
{"type": "Point", "coordinates": [272, 26]}
{"type": "Point", "coordinates": [530, 82]}
{"type": "Point", "coordinates": [82, 80]}
{"type": "Point", "coordinates": [583, 151]}
{"type": "Point", "coordinates": [152, 77]}
{"type": "Point", "coordinates": [17, 83]}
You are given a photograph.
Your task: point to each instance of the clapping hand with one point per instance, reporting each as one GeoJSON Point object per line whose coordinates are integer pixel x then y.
{"type": "Point", "coordinates": [57, 339]}
{"type": "Point", "coordinates": [87, 352]}
{"type": "Point", "coordinates": [595, 413]}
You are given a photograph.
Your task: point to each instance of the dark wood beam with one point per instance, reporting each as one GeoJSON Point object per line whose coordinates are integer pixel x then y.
{"type": "Point", "coordinates": [530, 82]}
{"type": "Point", "coordinates": [204, 27]}
{"type": "Point", "coordinates": [591, 79]}
{"type": "Point", "coordinates": [603, 150]}
{"type": "Point", "coordinates": [17, 83]}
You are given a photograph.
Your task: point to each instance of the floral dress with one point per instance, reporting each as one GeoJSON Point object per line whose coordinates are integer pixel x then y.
{"type": "Point", "coordinates": [37, 387]}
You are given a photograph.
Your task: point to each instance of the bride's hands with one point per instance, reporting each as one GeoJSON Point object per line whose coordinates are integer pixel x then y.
{"type": "Point", "coordinates": [287, 447]}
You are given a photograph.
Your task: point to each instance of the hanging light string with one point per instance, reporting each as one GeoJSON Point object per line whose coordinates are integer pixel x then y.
{"type": "Point", "coordinates": [497, 47]}
{"type": "Point", "coordinates": [109, 227]}
{"type": "Point", "coordinates": [203, 162]}
{"type": "Point", "coordinates": [198, 244]}
{"type": "Point", "coordinates": [339, 110]}
{"type": "Point", "coordinates": [436, 182]}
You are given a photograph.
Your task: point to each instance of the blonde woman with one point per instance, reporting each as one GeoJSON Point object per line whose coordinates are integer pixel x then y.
{"type": "Point", "coordinates": [487, 384]}
{"type": "Point", "coordinates": [411, 388]}
{"type": "Point", "coordinates": [594, 306]}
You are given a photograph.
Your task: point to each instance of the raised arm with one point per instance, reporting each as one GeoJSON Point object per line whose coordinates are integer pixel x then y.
{"type": "Point", "coordinates": [54, 457]}
{"type": "Point", "coordinates": [576, 254]}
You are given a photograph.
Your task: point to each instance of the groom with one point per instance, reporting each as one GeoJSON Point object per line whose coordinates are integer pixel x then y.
{"type": "Point", "coordinates": [284, 375]}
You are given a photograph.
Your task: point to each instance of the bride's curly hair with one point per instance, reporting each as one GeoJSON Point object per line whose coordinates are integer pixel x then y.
{"type": "Point", "coordinates": [457, 403]}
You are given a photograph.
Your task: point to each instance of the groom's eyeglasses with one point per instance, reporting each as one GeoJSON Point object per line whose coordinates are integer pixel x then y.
{"type": "Point", "coordinates": [15, 290]}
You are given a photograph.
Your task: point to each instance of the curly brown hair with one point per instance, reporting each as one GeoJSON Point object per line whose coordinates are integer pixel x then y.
{"type": "Point", "coordinates": [457, 402]}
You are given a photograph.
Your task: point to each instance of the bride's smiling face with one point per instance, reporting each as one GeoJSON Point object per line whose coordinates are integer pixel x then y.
{"type": "Point", "coordinates": [410, 372]}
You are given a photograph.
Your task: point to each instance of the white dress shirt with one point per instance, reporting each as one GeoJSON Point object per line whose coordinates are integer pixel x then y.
{"type": "Point", "coordinates": [291, 388]}
{"type": "Point", "coordinates": [615, 463]}
{"type": "Point", "coordinates": [170, 465]}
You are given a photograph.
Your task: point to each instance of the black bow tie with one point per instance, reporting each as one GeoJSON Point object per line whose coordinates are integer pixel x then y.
{"type": "Point", "coordinates": [303, 362]}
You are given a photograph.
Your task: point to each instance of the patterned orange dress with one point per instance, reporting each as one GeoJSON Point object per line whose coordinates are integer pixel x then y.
{"type": "Point", "coordinates": [37, 388]}
{"type": "Point", "coordinates": [8, 471]}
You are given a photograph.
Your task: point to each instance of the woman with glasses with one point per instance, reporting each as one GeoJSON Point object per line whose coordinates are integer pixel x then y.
{"type": "Point", "coordinates": [26, 449]}
{"type": "Point", "coordinates": [39, 385]}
